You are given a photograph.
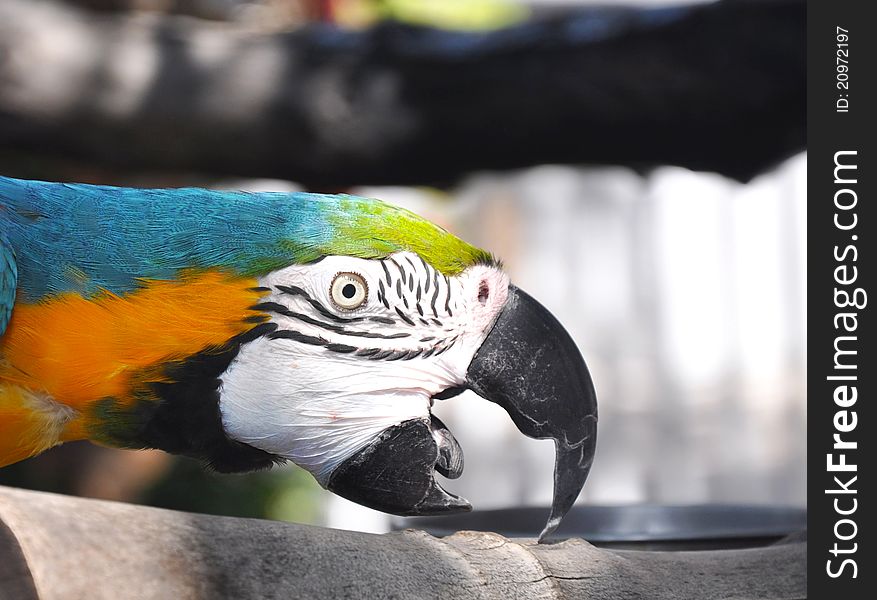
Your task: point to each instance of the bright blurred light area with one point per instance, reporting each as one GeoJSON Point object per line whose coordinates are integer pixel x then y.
{"type": "Point", "coordinates": [686, 294]}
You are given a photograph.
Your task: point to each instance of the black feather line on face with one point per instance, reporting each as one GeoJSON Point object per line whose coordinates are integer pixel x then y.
{"type": "Point", "coordinates": [403, 316]}
{"type": "Point", "coordinates": [435, 295]}
{"type": "Point", "coordinates": [302, 338]}
{"type": "Point", "coordinates": [368, 353]}
{"type": "Point", "coordinates": [402, 273]}
{"type": "Point", "coordinates": [382, 296]}
{"type": "Point", "coordinates": [293, 290]}
{"type": "Point", "coordinates": [446, 347]}
{"type": "Point", "coordinates": [282, 310]}
{"type": "Point", "coordinates": [448, 298]}
{"type": "Point", "coordinates": [427, 278]}
{"type": "Point", "coordinates": [342, 348]}
{"type": "Point", "coordinates": [288, 334]}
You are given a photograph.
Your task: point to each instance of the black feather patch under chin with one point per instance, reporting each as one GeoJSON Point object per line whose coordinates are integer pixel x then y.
{"type": "Point", "coordinates": [187, 421]}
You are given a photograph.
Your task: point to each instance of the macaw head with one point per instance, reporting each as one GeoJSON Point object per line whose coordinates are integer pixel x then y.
{"type": "Point", "coordinates": [249, 329]}
{"type": "Point", "coordinates": [365, 343]}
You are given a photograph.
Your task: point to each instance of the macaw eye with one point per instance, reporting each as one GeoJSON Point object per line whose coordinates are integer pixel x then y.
{"type": "Point", "coordinates": [349, 291]}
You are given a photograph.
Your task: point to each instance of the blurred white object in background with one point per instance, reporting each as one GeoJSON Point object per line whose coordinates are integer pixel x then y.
{"type": "Point", "coordinates": [686, 294]}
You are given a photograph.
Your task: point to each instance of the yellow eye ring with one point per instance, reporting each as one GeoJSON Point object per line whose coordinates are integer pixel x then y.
{"type": "Point", "coordinates": [348, 291]}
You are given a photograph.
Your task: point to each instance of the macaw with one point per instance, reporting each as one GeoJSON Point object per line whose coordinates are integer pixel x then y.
{"type": "Point", "coordinates": [248, 329]}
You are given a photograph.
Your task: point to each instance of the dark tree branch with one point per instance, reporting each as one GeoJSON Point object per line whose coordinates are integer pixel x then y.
{"type": "Point", "coordinates": [717, 87]}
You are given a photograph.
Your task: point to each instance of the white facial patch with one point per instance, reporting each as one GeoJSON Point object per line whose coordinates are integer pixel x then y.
{"type": "Point", "coordinates": [330, 379]}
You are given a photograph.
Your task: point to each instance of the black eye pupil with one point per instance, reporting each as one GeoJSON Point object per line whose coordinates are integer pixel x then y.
{"type": "Point", "coordinates": [348, 291]}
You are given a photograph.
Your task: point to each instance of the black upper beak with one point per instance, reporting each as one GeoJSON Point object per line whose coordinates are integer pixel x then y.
{"type": "Point", "coordinates": [529, 365]}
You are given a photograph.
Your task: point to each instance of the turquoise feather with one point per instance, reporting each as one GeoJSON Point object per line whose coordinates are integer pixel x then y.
{"type": "Point", "coordinates": [75, 237]}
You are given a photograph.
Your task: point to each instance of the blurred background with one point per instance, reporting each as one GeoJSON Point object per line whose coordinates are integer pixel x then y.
{"type": "Point", "coordinates": [638, 166]}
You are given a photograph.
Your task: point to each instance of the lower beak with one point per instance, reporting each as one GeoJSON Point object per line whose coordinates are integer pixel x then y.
{"type": "Point", "coordinates": [395, 472]}
{"type": "Point", "coordinates": [529, 365]}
